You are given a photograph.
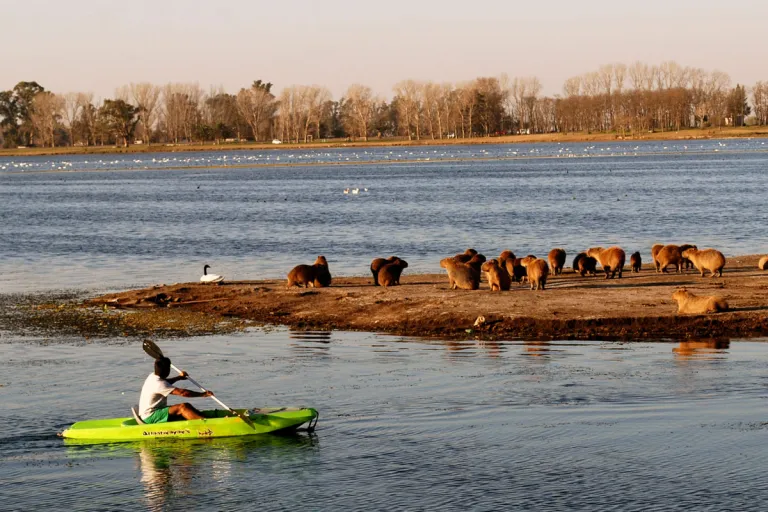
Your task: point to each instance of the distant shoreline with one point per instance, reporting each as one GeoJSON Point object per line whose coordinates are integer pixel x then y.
{"type": "Point", "coordinates": [692, 134]}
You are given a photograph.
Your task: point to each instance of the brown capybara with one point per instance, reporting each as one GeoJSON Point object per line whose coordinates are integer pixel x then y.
{"type": "Point", "coordinates": [525, 261]}
{"type": "Point", "coordinates": [611, 259]}
{"type": "Point", "coordinates": [686, 262]}
{"type": "Point", "coordinates": [587, 265]}
{"type": "Point", "coordinates": [635, 261]}
{"type": "Point", "coordinates": [504, 256]}
{"type": "Point", "coordinates": [763, 263]}
{"type": "Point", "coordinates": [461, 275]}
{"type": "Point", "coordinates": [654, 251]}
{"type": "Point", "coordinates": [316, 274]}
{"type": "Point", "coordinates": [556, 258]}
{"type": "Point", "coordinates": [516, 270]}
{"type": "Point", "coordinates": [669, 255]}
{"type": "Point", "coordinates": [706, 259]}
{"type": "Point", "coordinates": [376, 265]}
{"type": "Point", "coordinates": [538, 270]}
{"type": "Point", "coordinates": [576, 260]}
{"type": "Point", "coordinates": [498, 278]}
{"type": "Point", "coordinates": [466, 255]}
{"type": "Point", "coordinates": [389, 274]}
{"type": "Point", "coordinates": [690, 304]}
{"type": "Point", "coordinates": [476, 262]}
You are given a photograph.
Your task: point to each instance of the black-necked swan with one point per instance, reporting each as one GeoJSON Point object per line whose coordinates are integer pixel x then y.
{"type": "Point", "coordinates": [210, 278]}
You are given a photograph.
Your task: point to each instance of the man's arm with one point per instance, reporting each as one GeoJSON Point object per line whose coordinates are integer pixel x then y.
{"type": "Point", "coordinates": [181, 376]}
{"type": "Point", "coordinates": [188, 393]}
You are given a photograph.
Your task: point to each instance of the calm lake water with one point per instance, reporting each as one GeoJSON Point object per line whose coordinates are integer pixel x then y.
{"type": "Point", "coordinates": [405, 424]}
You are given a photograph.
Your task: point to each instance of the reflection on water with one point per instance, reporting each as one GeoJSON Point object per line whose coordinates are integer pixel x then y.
{"type": "Point", "coordinates": [702, 349]}
{"type": "Point", "coordinates": [318, 336]}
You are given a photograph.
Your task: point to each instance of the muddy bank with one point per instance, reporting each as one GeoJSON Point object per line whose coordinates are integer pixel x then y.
{"type": "Point", "coordinates": [636, 307]}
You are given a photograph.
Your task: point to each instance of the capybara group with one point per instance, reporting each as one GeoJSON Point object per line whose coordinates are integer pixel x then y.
{"type": "Point", "coordinates": [763, 263]}
{"type": "Point", "coordinates": [376, 265]}
{"type": "Point", "coordinates": [463, 275]}
{"type": "Point", "coordinates": [690, 304]}
{"type": "Point", "coordinates": [611, 259]}
{"type": "Point", "coordinates": [706, 259]}
{"type": "Point", "coordinates": [556, 258]}
{"type": "Point", "coordinates": [389, 274]}
{"type": "Point", "coordinates": [635, 261]}
{"type": "Point", "coordinates": [498, 277]}
{"type": "Point", "coordinates": [316, 274]}
{"type": "Point", "coordinates": [538, 270]}
{"type": "Point", "coordinates": [669, 255]}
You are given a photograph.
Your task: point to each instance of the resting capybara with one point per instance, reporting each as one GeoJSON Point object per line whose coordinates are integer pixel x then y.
{"type": "Point", "coordinates": [498, 278]}
{"type": "Point", "coordinates": [587, 265]}
{"type": "Point", "coordinates": [635, 261]}
{"type": "Point", "coordinates": [686, 262]}
{"type": "Point", "coordinates": [763, 263]}
{"type": "Point", "coordinates": [556, 258]}
{"type": "Point", "coordinates": [706, 259]}
{"type": "Point", "coordinates": [376, 266]}
{"type": "Point", "coordinates": [466, 255]}
{"type": "Point", "coordinates": [669, 255]}
{"type": "Point", "coordinates": [654, 251]}
{"type": "Point", "coordinates": [389, 274]}
{"type": "Point", "coordinates": [690, 304]}
{"type": "Point", "coordinates": [461, 275]}
{"type": "Point", "coordinates": [317, 274]}
{"type": "Point", "coordinates": [611, 259]}
{"type": "Point", "coordinates": [538, 270]}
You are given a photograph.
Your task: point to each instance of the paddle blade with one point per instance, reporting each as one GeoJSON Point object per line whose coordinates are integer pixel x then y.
{"type": "Point", "coordinates": [152, 349]}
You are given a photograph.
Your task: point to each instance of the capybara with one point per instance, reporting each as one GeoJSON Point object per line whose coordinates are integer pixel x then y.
{"type": "Point", "coordinates": [635, 261]}
{"type": "Point", "coordinates": [525, 261]}
{"type": "Point", "coordinates": [576, 260]}
{"type": "Point", "coordinates": [389, 274]}
{"type": "Point", "coordinates": [461, 275]}
{"type": "Point", "coordinates": [516, 270]}
{"type": "Point", "coordinates": [611, 259]}
{"type": "Point", "coordinates": [476, 262]}
{"type": "Point", "coordinates": [466, 255]}
{"type": "Point", "coordinates": [317, 274]}
{"type": "Point", "coordinates": [686, 262]}
{"type": "Point", "coordinates": [556, 259]}
{"type": "Point", "coordinates": [669, 255]}
{"type": "Point", "coordinates": [538, 270]}
{"type": "Point", "coordinates": [706, 259]}
{"type": "Point", "coordinates": [376, 266]}
{"type": "Point", "coordinates": [587, 265]}
{"type": "Point", "coordinates": [498, 278]}
{"type": "Point", "coordinates": [763, 263]}
{"type": "Point", "coordinates": [504, 256]}
{"type": "Point", "coordinates": [654, 251]}
{"type": "Point", "coordinates": [690, 304]}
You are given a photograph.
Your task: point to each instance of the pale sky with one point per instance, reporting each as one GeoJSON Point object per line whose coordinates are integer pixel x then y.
{"type": "Point", "coordinates": [99, 45]}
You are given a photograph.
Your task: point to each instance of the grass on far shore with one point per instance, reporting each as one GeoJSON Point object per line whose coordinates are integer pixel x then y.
{"type": "Point", "coordinates": [689, 134]}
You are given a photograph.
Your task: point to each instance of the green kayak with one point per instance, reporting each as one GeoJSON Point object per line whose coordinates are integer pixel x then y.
{"type": "Point", "coordinates": [217, 423]}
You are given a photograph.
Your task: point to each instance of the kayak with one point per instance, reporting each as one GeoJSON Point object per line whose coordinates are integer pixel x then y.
{"type": "Point", "coordinates": [217, 423]}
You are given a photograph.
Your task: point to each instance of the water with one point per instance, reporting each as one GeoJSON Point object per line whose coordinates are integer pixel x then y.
{"type": "Point", "coordinates": [404, 425]}
{"type": "Point", "coordinates": [107, 229]}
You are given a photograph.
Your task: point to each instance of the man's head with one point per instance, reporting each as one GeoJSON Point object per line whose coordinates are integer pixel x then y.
{"type": "Point", "coordinates": [163, 367]}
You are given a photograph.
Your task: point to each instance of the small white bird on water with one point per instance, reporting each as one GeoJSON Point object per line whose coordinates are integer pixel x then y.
{"type": "Point", "coordinates": [210, 278]}
{"type": "Point", "coordinates": [355, 190]}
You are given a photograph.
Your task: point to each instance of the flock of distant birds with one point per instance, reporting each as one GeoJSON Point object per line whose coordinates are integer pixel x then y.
{"type": "Point", "coordinates": [353, 191]}
{"type": "Point", "coordinates": [464, 270]}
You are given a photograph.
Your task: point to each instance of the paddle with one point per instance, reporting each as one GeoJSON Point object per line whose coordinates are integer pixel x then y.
{"type": "Point", "coordinates": [154, 352]}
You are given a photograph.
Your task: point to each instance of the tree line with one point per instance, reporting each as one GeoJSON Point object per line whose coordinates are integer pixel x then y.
{"type": "Point", "coordinates": [616, 98]}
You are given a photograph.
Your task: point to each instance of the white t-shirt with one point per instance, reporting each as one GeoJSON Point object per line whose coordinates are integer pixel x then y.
{"type": "Point", "coordinates": [154, 395]}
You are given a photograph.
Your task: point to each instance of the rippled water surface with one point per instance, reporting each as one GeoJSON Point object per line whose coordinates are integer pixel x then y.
{"type": "Point", "coordinates": [113, 226]}
{"type": "Point", "coordinates": [404, 425]}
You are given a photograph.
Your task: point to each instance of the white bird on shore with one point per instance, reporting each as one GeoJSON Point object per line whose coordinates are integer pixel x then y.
{"type": "Point", "coordinates": [210, 278]}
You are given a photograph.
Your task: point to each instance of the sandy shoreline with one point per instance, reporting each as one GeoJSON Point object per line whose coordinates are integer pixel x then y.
{"type": "Point", "coordinates": [636, 307]}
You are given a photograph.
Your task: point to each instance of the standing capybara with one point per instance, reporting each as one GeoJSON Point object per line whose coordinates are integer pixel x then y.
{"type": "Point", "coordinates": [635, 261]}
{"type": "Point", "coordinates": [686, 262]}
{"type": "Point", "coordinates": [706, 259]}
{"type": "Point", "coordinates": [316, 274]}
{"type": "Point", "coordinates": [504, 256]}
{"type": "Point", "coordinates": [376, 265]}
{"type": "Point", "coordinates": [576, 260]}
{"type": "Point", "coordinates": [669, 255]}
{"type": "Point", "coordinates": [465, 256]}
{"type": "Point", "coordinates": [611, 259]}
{"type": "Point", "coordinates": [556, 259]}
{"type": "Point", "coordinates": [690, 304]}
{"type": "Point", "coordinates": [525, 261]}
{"type": "Point", "coordinates": [461, 275]}
{"type": "Point", "coordinates": [389, 274]}
{"type": "Point", "coordinates": [587, 265]}
{"type": "Point", "coordinates": [498, 278]}
{"type": "Point", "coordinates": [516, 270]}
{"type": "Point", "coordinates": [538, 270]}
{"type": "Point", "coordinates": [763, 263]}
{"type": "Point", "coordinates": [654, 251]}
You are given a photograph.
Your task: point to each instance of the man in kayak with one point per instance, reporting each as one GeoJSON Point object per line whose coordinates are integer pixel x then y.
{"type": "Point", "coordinates": [153, 404]}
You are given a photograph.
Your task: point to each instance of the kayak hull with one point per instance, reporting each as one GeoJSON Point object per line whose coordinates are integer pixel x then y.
{"type": "Point", "coordinates": [217, 423]}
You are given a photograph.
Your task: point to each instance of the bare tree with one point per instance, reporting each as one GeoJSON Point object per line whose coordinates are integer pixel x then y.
{"type": "Point", "coordinates": [360, 109]}
{"type": "Point", "coordinates": [146, 97]}
{"type": "Point", "coordinates": [73, 104]}
{"type": "Point", "coordinates": [408, 94]}
{"type": "Point", "coordinates": [46, 111]}
{"type": "Point", "coordinates": [257, 106]}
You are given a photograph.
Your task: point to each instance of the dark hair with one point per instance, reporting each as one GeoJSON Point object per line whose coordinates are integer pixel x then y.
{"type": "Point", "coordinates": [163, 367]}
